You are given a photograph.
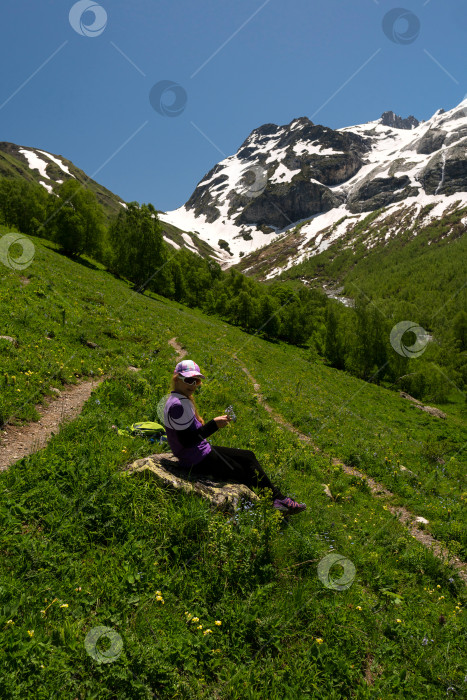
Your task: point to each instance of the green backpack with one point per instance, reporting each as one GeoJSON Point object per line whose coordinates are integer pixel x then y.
{"type": "Point", "coordinates": [147, 429]}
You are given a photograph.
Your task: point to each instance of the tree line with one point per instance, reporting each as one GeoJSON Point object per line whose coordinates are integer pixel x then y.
{"type": "Point", "coordinates": [132, 247]}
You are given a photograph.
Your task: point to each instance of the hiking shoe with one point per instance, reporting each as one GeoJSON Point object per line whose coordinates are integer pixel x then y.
{"type": "Point", "coordinates": [287, 505]}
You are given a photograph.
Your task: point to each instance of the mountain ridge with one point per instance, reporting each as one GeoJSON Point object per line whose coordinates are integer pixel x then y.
{"type": "Point", "coordinates": [282, 176]}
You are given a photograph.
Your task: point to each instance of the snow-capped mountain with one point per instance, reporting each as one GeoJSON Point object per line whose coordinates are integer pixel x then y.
{"type": "Point", "coordinates": [285, 175]}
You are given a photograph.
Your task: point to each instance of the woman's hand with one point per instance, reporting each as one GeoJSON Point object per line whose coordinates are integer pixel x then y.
{"type": "Point", "coordinates": [222, 421]}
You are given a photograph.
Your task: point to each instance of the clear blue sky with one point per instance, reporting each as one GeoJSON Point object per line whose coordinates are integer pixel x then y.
{"type": "Point", "coordinates": [240, 64]}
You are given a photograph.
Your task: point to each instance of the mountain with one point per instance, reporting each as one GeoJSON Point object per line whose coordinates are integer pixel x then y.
{"type": "Point", "coordinates": [319, 181]}
{"type": "Point", "coordinates": [50, 171]}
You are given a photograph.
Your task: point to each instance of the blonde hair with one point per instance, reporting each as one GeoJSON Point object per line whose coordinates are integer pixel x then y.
{"type": "Point", "coordinates": [195, 408]}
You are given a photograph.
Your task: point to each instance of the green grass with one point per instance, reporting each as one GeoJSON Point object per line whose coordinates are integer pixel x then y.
{"type": "Point", "coordinates": [78, 532]}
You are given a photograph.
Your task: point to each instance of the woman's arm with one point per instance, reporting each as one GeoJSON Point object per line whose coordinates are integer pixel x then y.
{"type": "Point", "coordinates": [192, 436]}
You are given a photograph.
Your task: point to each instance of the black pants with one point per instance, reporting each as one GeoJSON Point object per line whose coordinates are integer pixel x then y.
{"type": "Point", "coordinates": [230, 463]}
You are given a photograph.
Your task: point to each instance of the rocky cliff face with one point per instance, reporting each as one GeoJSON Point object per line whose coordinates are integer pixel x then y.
{"type": "Point", "coordinates": [297, 164]}
{"type": "Point", "coordinates": [282, 175]}
{"type": "Point", "coordinates": [393, 120]}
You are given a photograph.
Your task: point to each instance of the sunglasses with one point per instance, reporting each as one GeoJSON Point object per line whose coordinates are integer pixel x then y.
{"type": "Point", "coordinates": [191, 380]}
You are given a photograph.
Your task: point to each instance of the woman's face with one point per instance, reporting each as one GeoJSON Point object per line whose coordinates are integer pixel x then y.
{"type": "Point", "coordinates": [186, 389]}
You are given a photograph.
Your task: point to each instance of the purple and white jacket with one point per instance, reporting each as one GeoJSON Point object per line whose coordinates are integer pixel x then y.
{"type": "Point", "coordinates": [186, 435]}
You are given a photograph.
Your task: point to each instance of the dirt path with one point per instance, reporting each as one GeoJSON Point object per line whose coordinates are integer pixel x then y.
{"type": "Point", "coordinates": [17, 442]}
{"type": "Point", "coordinates": [378, 490]}
{"type": "Point", "coordinates": [178, 349]}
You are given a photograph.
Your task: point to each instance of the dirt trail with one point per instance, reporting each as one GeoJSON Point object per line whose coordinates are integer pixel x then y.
{"type": "Point", "coordinates": [17, 442]}
{"type": "Point", "coordinates": [178, 349]}
{"type": "Point", "coordinates": [378, 490]}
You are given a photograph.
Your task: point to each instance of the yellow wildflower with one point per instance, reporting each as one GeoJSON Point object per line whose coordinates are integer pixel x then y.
{"type": "Point", "coordinates": [318, 640]}
{"type": "Point", "coordinates": [218, 623]}
{"type": "Point", "coordinates": [200, 627]}
{"type": "Point", "coordinates": [195, 619]}
{"type": "Point", "coordinates": [31, 633]}
{"type": "Point", "coordinates": [64, 605]}
{"type": "Point", "coordinates": [358, 607]}
{"type": "Point", "coordinates": [207, 632]}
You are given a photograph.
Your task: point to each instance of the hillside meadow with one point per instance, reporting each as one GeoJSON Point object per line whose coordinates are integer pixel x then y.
{"type": "Point", "coordinates": [200, 604]}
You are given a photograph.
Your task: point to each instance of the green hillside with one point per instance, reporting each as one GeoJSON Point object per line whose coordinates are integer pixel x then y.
{"type": "Point", "coordinates": [14, 165]}
{"type": "Point", "coordinates": [84, 545]}
{"type": "Point", "coordinates": [424, 258]}
{"type": "Point", "coordinates": [424, 265]}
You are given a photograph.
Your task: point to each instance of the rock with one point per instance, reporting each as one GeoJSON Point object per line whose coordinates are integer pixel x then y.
{"type": "Point", "coordinates": [223, 495]}
{"type": "Point", "coordinates": [430, 142]}
{"type": "Point", "coordinates": [133, 369]}
{"type": "Point", "coordinates": [327, 491]}
{"type": "Point", "coordinates": [392, 119]}
{"type": "Point", "coordinates": [92, 345]}
{"type": "Point", "coordinates": [407, 396]}
{"type": "Point", "coordinates": [56, 391]}
{"type": "Point", "coordinates": [281, 204]}
{"type": "Point", "coordinates": [9, 339]}
{"type": "Point", "coordinates": [432, 411]}
{"type": "Point", "coordinates": [419, 519]}
{"type": "Point", "coordinates": [446, 171]}
{"type": "Point", "coordinates": [380, 192]}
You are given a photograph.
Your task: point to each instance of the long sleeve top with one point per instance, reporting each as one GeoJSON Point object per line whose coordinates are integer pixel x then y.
{"type": "Point", "coordinates": [186, 435]}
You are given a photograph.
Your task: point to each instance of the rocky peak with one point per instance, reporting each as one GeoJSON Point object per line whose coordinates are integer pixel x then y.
{"type": "Point", "coordinates": [300, 122]}
{"type": "Point", "coordinates": [393, 120]}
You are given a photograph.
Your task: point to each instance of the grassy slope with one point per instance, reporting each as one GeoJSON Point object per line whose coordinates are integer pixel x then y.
{"type": "Point", "coordinates": [176, 234]}
{"type": "Point", "coordinates": [13, 167]}
{"type": "Point", "coordinates": [423, 264]}
{"type": "Point", "coordinates": [76, 532]}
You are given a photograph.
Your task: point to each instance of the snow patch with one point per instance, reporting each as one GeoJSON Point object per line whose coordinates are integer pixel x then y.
{"type": "Point", "coordinates": [49, 188]}
{"type": "Point", "coordinates": [57, 161]}
{"type": "Point", "coordinates": [172, 243]}
{"type": "Point", "coordinates": [34, 162]}
{"type": "Point", "coordinates": [283, 174]}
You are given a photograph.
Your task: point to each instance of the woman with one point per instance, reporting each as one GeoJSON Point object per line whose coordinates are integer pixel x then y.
{"type": "Point", "coordinates": [187, 433]}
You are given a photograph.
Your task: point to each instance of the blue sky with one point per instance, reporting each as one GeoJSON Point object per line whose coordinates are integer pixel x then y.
{"type": "Point", "coordinates": [80, 87]}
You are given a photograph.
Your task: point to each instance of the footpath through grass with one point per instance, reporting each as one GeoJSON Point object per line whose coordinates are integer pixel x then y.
{"type": "Point", "coordinates": [200, 605]}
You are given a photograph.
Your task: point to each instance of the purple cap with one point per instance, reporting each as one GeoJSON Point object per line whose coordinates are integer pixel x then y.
{"type": "Point", "coordinates": [188, 368]}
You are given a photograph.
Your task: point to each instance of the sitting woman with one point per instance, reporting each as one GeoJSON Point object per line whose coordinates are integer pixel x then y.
{"type": "Point", "coordinates": [187, 433]}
